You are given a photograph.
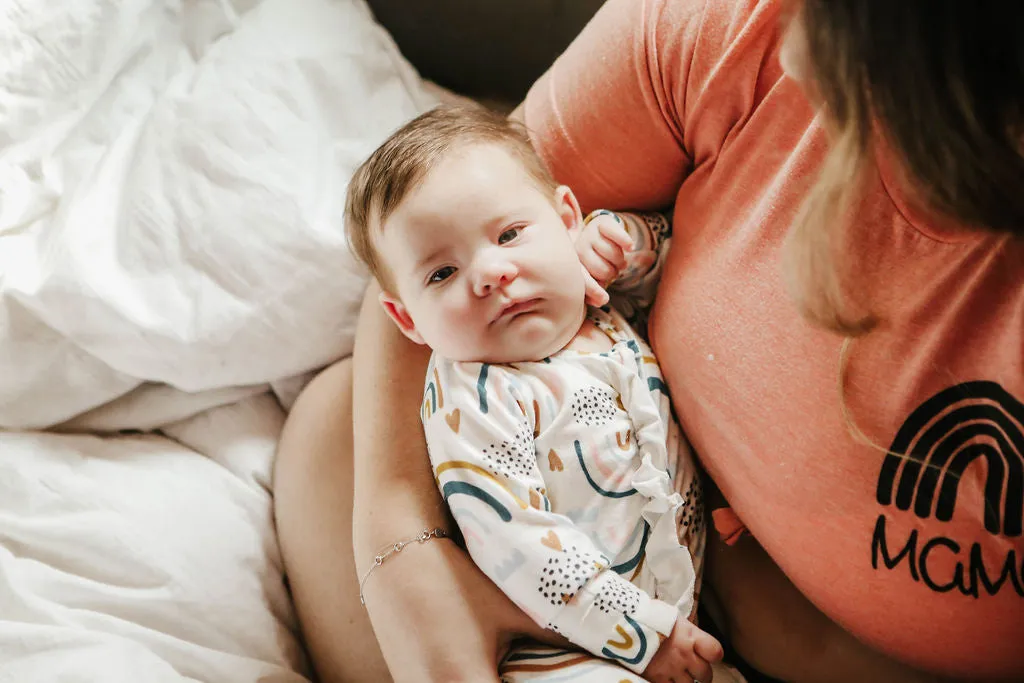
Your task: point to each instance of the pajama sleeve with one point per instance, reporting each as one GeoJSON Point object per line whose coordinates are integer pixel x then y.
{"type": "Point", "coordinates": [652, 235]}
{"type": "Point", "coordinates": [479, 424]}
{"type": "Point", "coordinates": [633, 291]}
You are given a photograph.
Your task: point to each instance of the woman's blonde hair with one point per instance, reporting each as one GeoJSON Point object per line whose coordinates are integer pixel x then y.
{"type": "Point", "coordinates": [942, 81]}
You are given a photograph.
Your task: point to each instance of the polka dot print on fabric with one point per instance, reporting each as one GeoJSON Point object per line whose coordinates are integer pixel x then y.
{"type": "Point", "coordinates": [565, 574]}
{"type": "Point", "coordinates": [691, 514]}
{"type": "Point", "coordinates": [515, 458]}
{"type": "Point", "coordinates": [593, 406]}
{"type": "Point", "coordinates": [658, 224]}
{"type": "Point", "coordinates": [619, 598]}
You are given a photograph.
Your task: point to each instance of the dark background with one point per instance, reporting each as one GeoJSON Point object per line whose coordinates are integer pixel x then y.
{"type": "Point", "coordinates": [484, 48]}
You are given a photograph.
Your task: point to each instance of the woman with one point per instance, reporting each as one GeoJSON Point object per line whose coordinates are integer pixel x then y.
{"type": "Point", "coordinates": [841, 323]}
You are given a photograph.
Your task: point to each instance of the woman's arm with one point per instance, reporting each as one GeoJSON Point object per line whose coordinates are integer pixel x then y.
{"type": "Point", "coordinates": [436, 616]}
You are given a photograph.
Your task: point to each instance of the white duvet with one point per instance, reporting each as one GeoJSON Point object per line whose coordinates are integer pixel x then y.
{"type": "Point", "coordinates": [172, 260]}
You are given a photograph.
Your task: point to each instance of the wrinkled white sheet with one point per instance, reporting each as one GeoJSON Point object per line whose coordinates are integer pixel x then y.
{"type": "Point", "coordinates": [172, 176]}
{"type": "Point", "coordinates": [142, 559]}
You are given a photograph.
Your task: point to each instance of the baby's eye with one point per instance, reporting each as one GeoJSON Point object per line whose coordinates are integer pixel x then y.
{"type": "Point", "coordinates": [508, 235]}
{"type": "Point", "coordinates": [441, 274]}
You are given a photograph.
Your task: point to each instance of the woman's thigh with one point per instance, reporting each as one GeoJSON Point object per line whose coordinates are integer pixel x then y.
{"type": "Point", "coordinates": [770, 624]}
{"type": "Point", "coordinates": [313, 506]}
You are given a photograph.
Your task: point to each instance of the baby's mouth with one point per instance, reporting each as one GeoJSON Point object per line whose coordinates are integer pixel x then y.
{"type": "Point", "coordinates": [515, 308]}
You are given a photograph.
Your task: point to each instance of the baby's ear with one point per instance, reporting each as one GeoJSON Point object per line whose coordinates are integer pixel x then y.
{"type": "Point", "coordinates": [396, 310]}
{"type": "Point", "coordinates": [568, 209]}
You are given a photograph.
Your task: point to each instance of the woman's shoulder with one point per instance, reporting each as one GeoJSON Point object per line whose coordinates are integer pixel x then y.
{"type": "Point", "coordinates": [649, 89]}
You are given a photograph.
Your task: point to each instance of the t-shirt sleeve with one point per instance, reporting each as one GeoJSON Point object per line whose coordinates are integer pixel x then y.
{"type": "Point", "coordinates": [607, 117]}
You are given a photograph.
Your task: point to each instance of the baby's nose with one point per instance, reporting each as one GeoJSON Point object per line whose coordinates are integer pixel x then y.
{"type": "Point", "coordinates": [492, 274]}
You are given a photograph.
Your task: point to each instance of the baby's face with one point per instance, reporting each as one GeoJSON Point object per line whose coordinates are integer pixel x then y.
{"type": "Point", "coordinates": [484, 262]}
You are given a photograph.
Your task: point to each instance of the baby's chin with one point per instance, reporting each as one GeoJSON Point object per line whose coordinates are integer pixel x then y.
{"type": "Point", "coordinates": [517, 354]}
{"type": "Point", "coordinates": [518, 350]}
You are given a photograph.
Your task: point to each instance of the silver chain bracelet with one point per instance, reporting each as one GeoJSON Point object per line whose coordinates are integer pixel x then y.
{"type": "Point", "coordinates": [390, 550]}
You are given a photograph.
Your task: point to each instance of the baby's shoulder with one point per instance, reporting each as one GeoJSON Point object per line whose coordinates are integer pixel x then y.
{"type": "Point", "coordinates": [482, 388]}
{"type": "Point", "coordinates": [458, 378]}
{"type": "Point", "coordinates": [458, 371]}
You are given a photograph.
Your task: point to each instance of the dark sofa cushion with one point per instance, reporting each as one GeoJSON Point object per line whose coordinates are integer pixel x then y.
{"type": "Point", "coordinates": [484, 48]}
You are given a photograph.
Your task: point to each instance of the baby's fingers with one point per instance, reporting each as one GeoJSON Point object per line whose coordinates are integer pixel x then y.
{"type": "Point", "coordinates": [615, 232]}
{"type": "Point", "coordinates": [700, 650]}
{"type": "Point", "coordinates": [700, 671]}
{"type": "Point", "coordinates": [598, 267]}
{"type": "Point", "coordinates": [595, 294]}
{"type": "Point", "coordinates": [707, 646]}
{"type": "Point", "coordinates": [612, 254]}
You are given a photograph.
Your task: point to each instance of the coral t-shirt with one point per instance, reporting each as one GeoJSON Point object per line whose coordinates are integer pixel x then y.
{"type": "Point", "coordinates": [661, 102]}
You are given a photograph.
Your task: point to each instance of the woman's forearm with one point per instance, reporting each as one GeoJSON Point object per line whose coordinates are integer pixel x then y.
{"type": "Point", "coordinates": [394, 485]}
{"type": "Point", "coordinates": [436, 616]}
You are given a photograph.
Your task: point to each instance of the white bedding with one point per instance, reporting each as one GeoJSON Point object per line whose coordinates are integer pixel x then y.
{"type": "Point", "coordinates": [172, 177]}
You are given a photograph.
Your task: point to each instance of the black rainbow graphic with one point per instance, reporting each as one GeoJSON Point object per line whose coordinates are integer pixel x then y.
{"type": "Point", "coordinates": [942, 438]}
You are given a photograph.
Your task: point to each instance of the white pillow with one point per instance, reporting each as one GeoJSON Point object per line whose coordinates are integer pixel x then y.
{"type": "Point", "coordinates": [172, 180]}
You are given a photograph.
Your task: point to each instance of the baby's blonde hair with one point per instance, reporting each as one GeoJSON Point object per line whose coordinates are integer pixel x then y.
{"type": "Point", "coordinates": [399, 165]}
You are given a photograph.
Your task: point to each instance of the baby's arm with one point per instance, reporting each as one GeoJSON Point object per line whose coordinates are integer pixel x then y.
{"type": "Point", "coordinates": [481, 446]}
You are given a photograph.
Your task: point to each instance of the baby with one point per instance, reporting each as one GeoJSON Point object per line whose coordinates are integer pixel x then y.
{"type": "Point", "coordinates": [547, 421]}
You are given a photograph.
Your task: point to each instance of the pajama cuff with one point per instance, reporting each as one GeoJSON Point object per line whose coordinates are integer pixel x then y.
{"type": "Point", "coordinates": [631, 637]}
{"type": "Point", "coordinates": [652, 622]}
{"type": "Point", "coordinates": [658, 614]}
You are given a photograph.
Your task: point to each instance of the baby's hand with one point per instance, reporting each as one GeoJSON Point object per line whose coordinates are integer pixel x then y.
{"type": "Point", "coordinates": [602, 246]}
{"type": "Point", "coordinates": [687, 653]}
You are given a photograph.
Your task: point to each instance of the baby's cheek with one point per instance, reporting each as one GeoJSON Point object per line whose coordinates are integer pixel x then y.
{"type": "Point", "coordinates": [462, 326]}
